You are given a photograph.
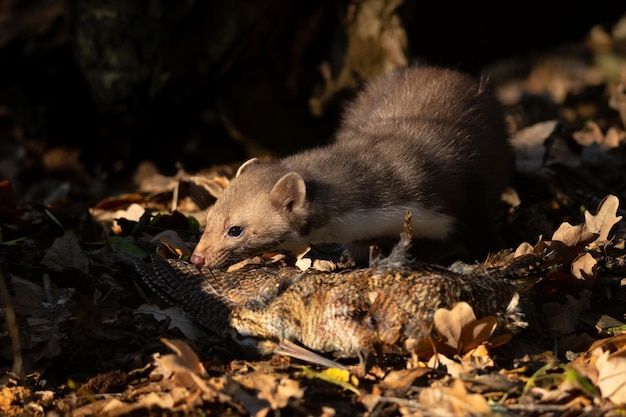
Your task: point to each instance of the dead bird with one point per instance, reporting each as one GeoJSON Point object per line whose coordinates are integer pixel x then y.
{"type": "Point", "coordinates": [345, 314]}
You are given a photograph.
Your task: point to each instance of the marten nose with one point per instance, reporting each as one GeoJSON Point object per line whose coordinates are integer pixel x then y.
{"type": "Point", "coordinates": [197, 260]}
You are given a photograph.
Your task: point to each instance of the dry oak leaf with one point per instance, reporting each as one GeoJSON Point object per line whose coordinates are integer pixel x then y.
{"type": "Point", "coordinates": [452, 367]}
{"type": "Point", "coordinates": [172, 243]}
{"type": "Point", "coordinates": [563, 318]}
{"type": "Point", "coordinates": [184, 367]}
{"type": "Point", "coordinates": [178, 319]}
{"type": "Point", "coordinates": [589, 135]}
{"type": "Point", "coordinates": [477, 358]}
{"type": "Point", "coordinates": [574, 236]}
{"type": "Point", "coordinates": [66, 253]}
{"type": "Point", "coordinates": [454, 399]}
{"type": "Point", "coordinates": [584, 267]}
{"type": "Point", "coordinates": [459, 330]}
{"type": "Point", "coordinates": [568, 241]}
{"type": "Point", "coordinates": [593, 135]}
{"type": "Point", "coordinates": [152, 400]}
{"type": "Point", "coordinates": [185, 356]}
{"type": "Point", "coordinates": [611, 380]}
{"type": "Point", "coordinates": [277, 390]}
{"type": "Point", "coordinates": [614, 136]}
{"type": "Point", "coordinates": [403, 378]}
{"type": "Point", "coordinates": [605, 217]}
{"type": "Point", "coordinates": [586, 364]}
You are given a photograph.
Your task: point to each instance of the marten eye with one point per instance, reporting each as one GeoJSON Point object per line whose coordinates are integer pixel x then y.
{"type": "Point", "coordinates": [235, 231]}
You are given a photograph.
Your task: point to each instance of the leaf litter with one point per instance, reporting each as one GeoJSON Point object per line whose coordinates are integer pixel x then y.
{"type": "Point", "coordinates": [93, 341]}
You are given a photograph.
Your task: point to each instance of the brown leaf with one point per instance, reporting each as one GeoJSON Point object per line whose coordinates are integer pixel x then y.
{"type": "Point", "coordinates": [611, 376]}
{"type": "Point", "coordinates": [524, 248]}
{"type": "Point", "coordinates": [477, 358]}
{"type": "Point", "coordinates": [275, 389]}
{"type": "Point", "coordinates": [404, 377]}
{"type": "Point", "coordinates": [452, 367]}
{"type": "Point", "coordinates": [529, 145]}
{"type": "Point", "coordinates": [177, 319]}
{"type": "Point", "coordinates": [590, 135]}
{"type": "Point", "coordinates": [454, 399]}
{"type": "Point", "coordinates": [584, 267]}
{"type": "Point", "coordinates": [171, 241]}
{"type": "Point", "coordinates": [563, 318]}
{"type": "Point", "coordinates": [252, 404]}
{"type": "Point", "coordinates": [614, 136]}
{"type": "Point", "coordinates": [213, 185]}
{"type": "Point", "coordinates": [478, 332]}
{"type": "Point", "coordinates": [604, 219]}
{"type": "Point", "coordinates": [185, 369]}
{"type": "Point", "coordinates": [449, 323]}
{"type": "Point", "coordinates": [459, 328]}
{"type": "Point", "coordinates": [185, 356]}
{"type": "Point", "coordinates": [573, 236]}
{"type": "Point", "coordinates": [66, 253]}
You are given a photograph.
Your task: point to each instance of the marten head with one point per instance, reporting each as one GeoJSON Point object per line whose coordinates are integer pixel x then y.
{"type": "Point", "coordinates": [258, 211]}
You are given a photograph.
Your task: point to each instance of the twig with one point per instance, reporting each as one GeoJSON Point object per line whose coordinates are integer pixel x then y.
{"type": "Point", "coordinates": [12, 327]}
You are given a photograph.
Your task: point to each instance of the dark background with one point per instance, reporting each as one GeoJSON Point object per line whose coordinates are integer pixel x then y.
{"type": "Point", "coordinates": [197, 82]}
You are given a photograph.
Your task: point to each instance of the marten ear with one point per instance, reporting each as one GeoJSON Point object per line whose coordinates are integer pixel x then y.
{"type": "Point", "coordinates": [246, 164]}
{"type": "Point", "coordinates": [289, 192]}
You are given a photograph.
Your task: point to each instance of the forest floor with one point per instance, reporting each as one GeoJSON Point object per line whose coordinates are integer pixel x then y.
{"type": "Point", "coordinates": [81, 335]}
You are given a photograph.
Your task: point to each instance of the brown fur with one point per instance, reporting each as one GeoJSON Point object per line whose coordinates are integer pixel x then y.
{"type": "Point", "coordinates": [424, 139]}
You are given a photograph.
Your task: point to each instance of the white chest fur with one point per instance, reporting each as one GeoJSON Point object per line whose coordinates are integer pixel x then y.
{"type": "Point", "coordinates": [364, 224]}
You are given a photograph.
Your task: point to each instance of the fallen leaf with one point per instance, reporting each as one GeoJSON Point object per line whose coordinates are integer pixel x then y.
{"type": "Point", "coordinates": [173, 242]}
{"type": "Point", "coordinates": [66, 253]}
{"type": "Point", "coordinates": [253, 404]}
{"type": "Point", "coordinates": [529, 145]}
{"type": "Point", "coordinates": [449, 324]}
{"type": "Point", "coordinates": [341, 375]}
{"type": "Point", "coordinates": [178, 319]}
{"type": "Point", "coordinates": [442, 362]}
{"type": "Point", "coordinates": [454, 399]}
{"type": "Point", "coordinates": [614, 136]}
{"type": "Point", "coordinates": [477, 358]}
{"type": "Point", "coordinates": [277, 390]}
{"type": "Point", "coordinates": [605, 217]}
{"type": "Point", "coordinates": [403, 378]}
{"type": "Point", "coordinates": [524, 248]}
{"type": "Point", "coordinates": [329, 378]}
{"type": "Point", "coordinates": [213, 185]}
{"type": "Point", "coordinates": [608, 324]}
{"type": "Point", "coordinates": [584, 267]}
{"type": "Point", "coordinates": [185, 355]}
{"type": "Point", "coordinates": [132, 213]}
{"type": "Point", "coordinates": [184, 368]}
{"type": "Point", "coordinates": [573, 236]}
{"type": "Point", "coordinates": [459, 329]}
{"type": "Point", "coordinates": [563, 318]}
{"type": "Point", "coordinates": [589, 135]}
{"type": "Point", "coordinates": [611, 376]}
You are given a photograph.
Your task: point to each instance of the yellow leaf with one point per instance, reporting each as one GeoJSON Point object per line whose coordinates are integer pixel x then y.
{"type": "Point", "coordinates": [342, 375]}
{"type": "Point", "coordinates": [350, 386]}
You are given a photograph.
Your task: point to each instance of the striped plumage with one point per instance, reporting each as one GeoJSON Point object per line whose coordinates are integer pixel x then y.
{"type": "Point", "coordinates": [345, 314]}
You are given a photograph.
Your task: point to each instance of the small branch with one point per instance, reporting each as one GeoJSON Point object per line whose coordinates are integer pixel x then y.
{"type": "Point", "coordinates": [12, 327]}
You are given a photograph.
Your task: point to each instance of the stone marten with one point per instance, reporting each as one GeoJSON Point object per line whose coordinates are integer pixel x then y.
{"type": "Point", "coordinates": [430, 140]}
